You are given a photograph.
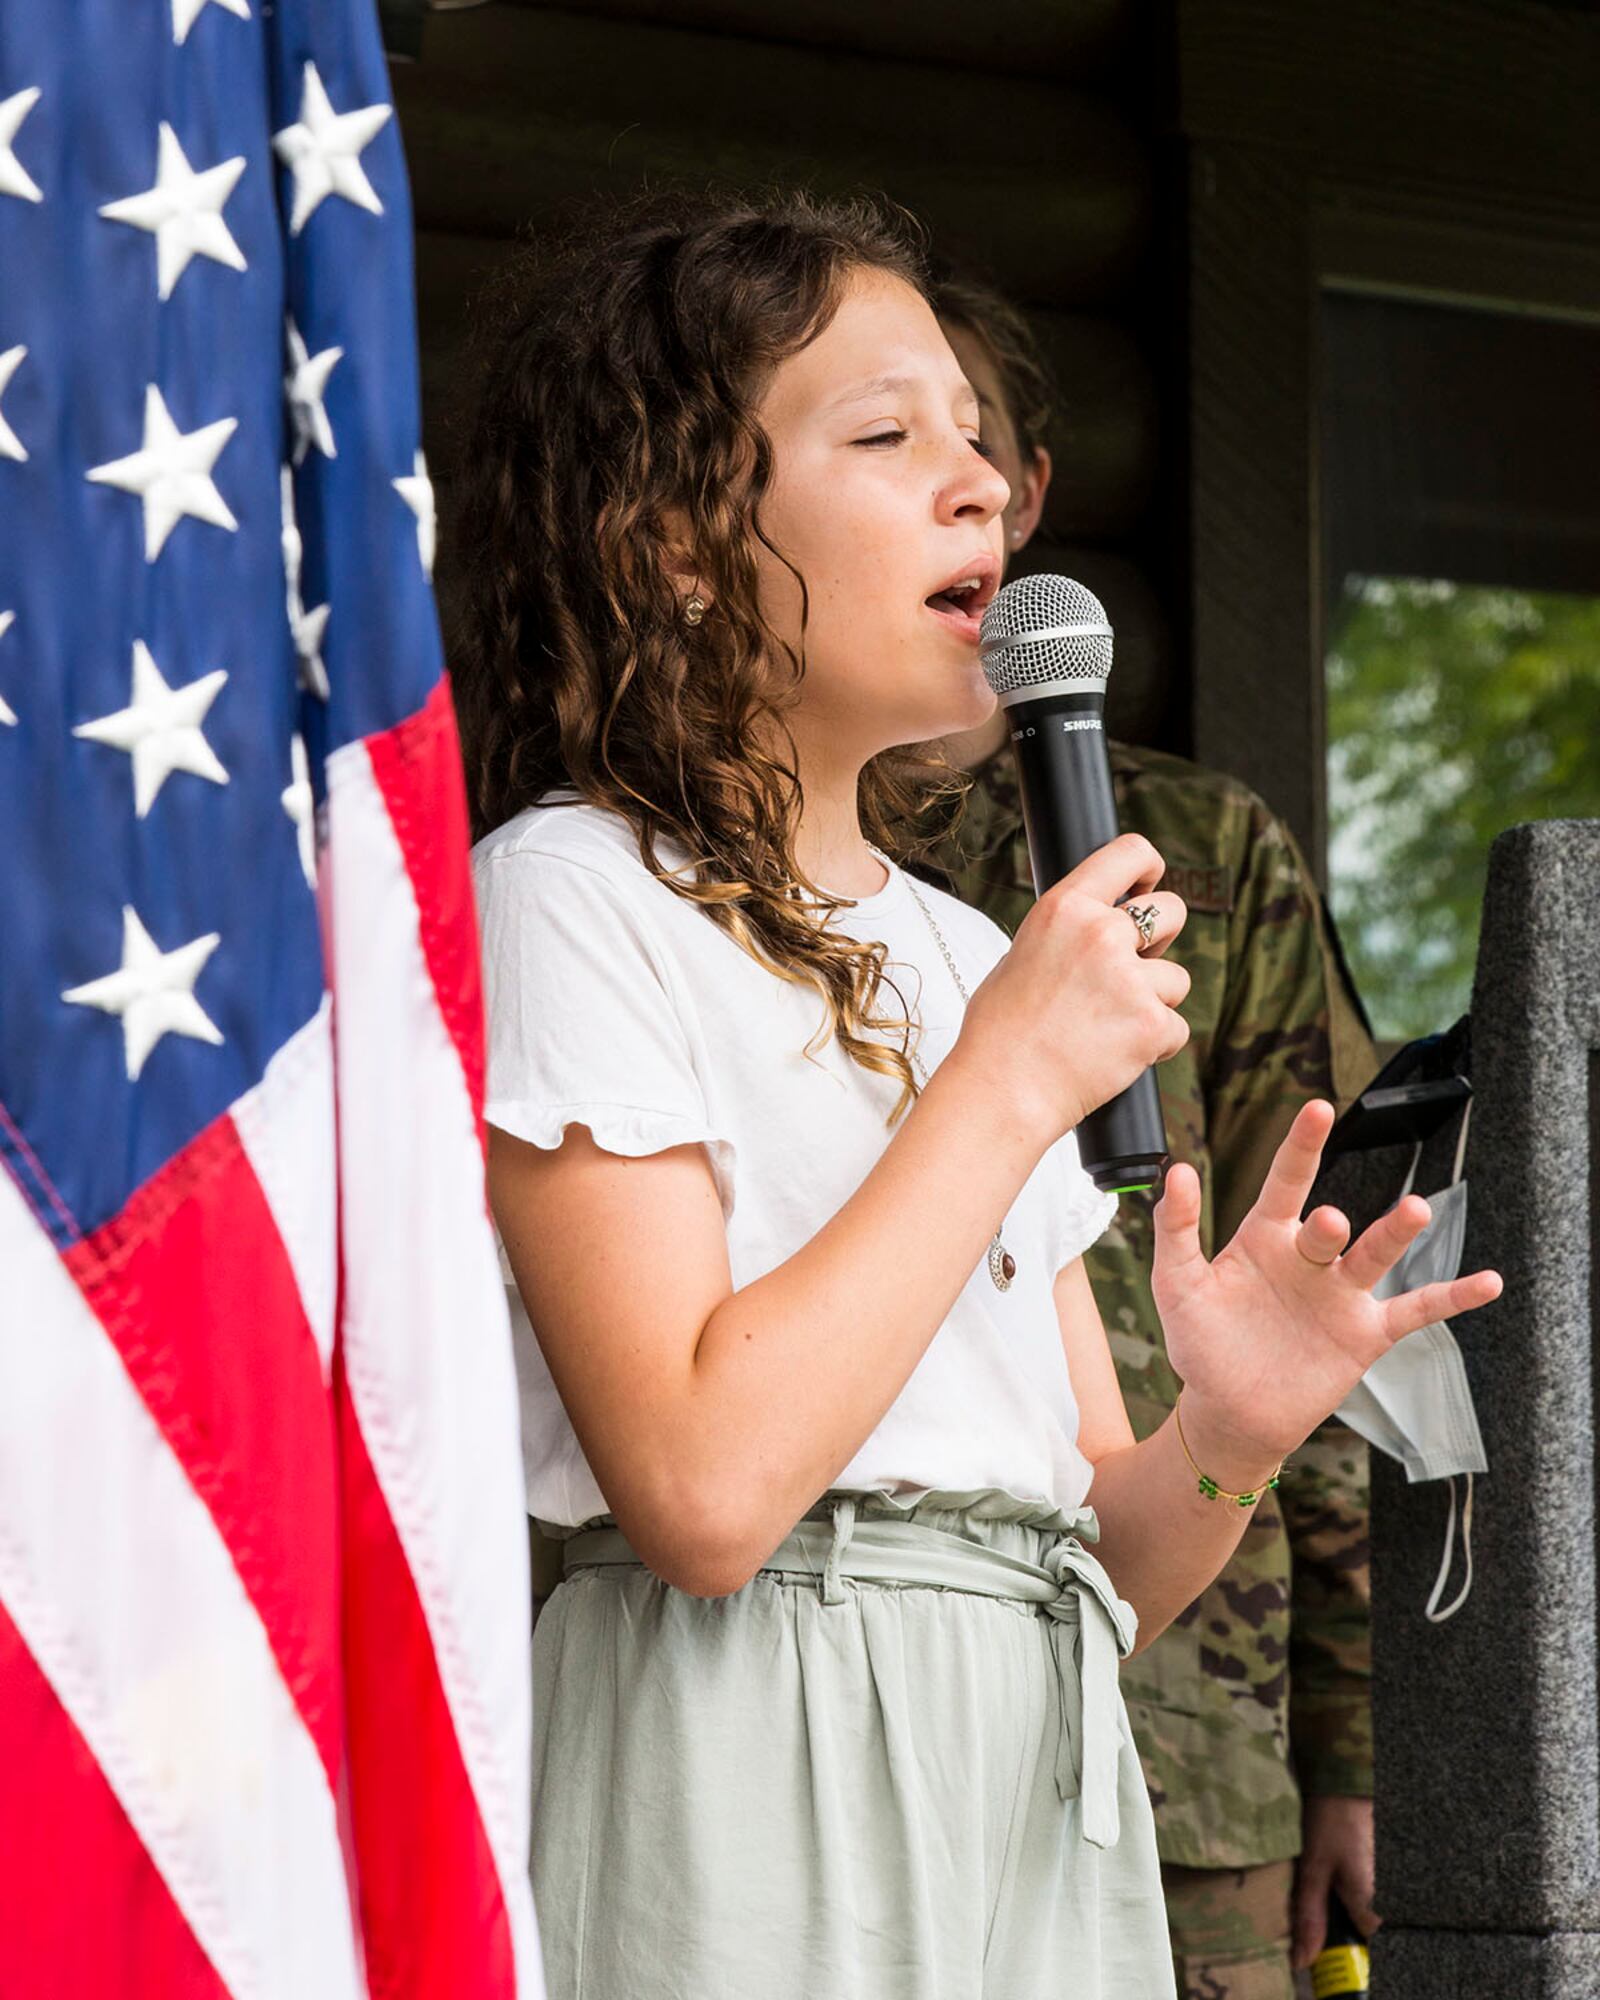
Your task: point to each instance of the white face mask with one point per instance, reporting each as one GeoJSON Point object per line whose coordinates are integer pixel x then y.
{"type": "Point", "coordinates": [1414, 1402]}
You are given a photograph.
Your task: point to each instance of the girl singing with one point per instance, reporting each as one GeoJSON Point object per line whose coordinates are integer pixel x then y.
{"type": "Point", "coordinates": [781, 1154]}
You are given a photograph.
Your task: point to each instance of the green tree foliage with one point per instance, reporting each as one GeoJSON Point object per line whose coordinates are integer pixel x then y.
{"type": "Point", "coordinates": [1453, 713]}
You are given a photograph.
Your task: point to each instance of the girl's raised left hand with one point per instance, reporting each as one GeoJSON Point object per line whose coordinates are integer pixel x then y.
{"type": "Point", "coordinates": [1272, 1335]}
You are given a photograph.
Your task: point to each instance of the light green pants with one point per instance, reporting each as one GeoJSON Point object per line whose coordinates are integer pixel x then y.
{"type": "Point", "coordinates": [895, 1766]}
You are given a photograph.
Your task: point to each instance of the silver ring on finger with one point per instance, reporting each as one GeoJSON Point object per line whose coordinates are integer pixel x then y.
{"type": "Point", "coordinates": [1145, 917]}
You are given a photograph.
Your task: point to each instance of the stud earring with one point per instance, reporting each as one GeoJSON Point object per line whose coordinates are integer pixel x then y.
{"type": "Point", "coordinates": [694, 610]}
{"type": "Point", "coordinates": [1016, 538]}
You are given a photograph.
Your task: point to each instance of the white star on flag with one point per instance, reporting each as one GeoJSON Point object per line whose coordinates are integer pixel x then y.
{"type": "Point", "coordinates": [183, 211]}
{"type": "Point", "coordinates": [305, 627]}
{"type": "Point", "coordinates": [8, 714]}
{"type": "Point", "coordinates": [14, 177]}
{"type": "Point", "coordinates": [184, 13]}
{"type": "Point", "coordinates": [11, 445]}
{"type": "Point", "coordinates": [301, 807]}
{"type": "Point", "coordinates": [322, 152]}
{"type": "Point", "coordinates": [171, 473]}
{"type": "Point", "coordinates": [417, 492]}
{"type": "Point", "coordinates": [153, 991]}
{"type": "Point", "coordinates": [160, 729]}
{"type": "Point", "coordinates": [305, 385]}
{"type": "Point", "coordinates": [308, 628]}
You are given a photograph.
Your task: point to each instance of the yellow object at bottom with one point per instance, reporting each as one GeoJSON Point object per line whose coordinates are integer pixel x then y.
{"type": "Point", "coordinates": [1342, 1968]}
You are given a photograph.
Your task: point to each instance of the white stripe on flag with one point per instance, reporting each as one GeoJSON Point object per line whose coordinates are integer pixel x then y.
{"type": "Point", "coordinates": [425, 1333]}
{"type": "Point", "coordinates": [287, 1128]}
{"type": "Point", "coordinates": [125, 1594]}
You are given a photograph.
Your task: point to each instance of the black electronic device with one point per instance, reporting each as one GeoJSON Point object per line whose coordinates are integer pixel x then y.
{"type": "Point", "coordinates": [1419, 1089]}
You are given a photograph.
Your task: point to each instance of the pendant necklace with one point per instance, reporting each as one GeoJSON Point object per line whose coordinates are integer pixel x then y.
{"type": "Point", "coordinates": [1002, 1265]}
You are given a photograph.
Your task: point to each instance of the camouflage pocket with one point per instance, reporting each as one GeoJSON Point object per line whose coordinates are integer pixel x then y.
{"type": "Point", "coordinates": [1224, 1796]}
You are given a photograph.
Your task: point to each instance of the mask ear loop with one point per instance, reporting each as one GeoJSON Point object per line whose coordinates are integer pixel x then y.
{"type": "Point", "coordinates": [1461, 1146]}
{"type": "Point", "coordinates": [1431, 1610]}
{"type": "Point", "coordinates": [1416, 1161]}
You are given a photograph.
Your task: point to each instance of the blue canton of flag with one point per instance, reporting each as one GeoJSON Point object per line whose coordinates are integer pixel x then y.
{"type": "Point", "coordinates": [149, 318]}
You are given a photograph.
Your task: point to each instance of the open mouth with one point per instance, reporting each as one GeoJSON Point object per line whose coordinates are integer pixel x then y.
{"type": "Point", "coordinates": [961, 603]}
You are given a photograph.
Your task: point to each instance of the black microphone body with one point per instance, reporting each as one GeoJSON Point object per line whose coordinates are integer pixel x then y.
{"type": "Point", "coordinates": [1068, 806]}
{"type": "Point", "coordinates": [1069, 811]}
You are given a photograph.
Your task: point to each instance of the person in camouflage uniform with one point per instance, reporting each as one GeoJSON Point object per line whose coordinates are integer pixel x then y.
{"type": "Point", "coordinates": [1252, 1712]}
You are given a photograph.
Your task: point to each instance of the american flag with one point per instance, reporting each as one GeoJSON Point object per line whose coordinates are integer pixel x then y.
{"type": "Point", "coordinates": [263, 1616]}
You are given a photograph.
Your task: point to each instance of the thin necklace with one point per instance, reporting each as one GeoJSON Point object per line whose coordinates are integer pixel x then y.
{"type": "Point", "coordinates": [1002, 1265]}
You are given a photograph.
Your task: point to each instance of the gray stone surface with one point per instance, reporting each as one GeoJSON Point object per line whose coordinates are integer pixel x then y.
{"type": "Point", "coordinates": [1488, 1728]}
{"type": "Point", "coordinates": [1485, 1965]}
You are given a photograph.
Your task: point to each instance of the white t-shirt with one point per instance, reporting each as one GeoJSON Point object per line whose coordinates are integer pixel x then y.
{"type": "Point", "coordinates": [615, 1004]}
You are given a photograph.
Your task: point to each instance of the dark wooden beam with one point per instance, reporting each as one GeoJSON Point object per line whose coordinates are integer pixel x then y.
{"type": "Point", "coordinates": [1501, 92]}
{"type": "Point", "coordinates": [1070, 41]}
{"type": "Point", "coordinates": [518, 113]}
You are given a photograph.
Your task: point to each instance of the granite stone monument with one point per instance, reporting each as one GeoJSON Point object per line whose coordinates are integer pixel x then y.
{"type": "Point", "coordinates": [1488, 1726]}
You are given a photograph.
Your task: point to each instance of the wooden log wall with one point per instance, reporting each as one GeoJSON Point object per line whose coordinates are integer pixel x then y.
{"type": "Point", "coordinates": [1021, 132]}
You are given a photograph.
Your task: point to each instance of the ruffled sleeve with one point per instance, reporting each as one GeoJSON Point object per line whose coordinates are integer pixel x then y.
{"type": "Point", "coordinates": [584, 1021]}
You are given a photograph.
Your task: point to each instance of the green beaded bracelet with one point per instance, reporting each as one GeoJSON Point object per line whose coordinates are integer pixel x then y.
{"type": "Point", "coordinates": [1208, 1488]}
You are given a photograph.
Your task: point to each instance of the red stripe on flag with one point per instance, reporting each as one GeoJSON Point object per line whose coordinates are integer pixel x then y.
{"type": "Point", "coordinates": [418, 768]}
{"type": "Point", "coordinates": [87, 1913]}
{"type": "Point", "coordinates": [433, 1915]}
{"type": "Point", "coordinates": [195, 1288]}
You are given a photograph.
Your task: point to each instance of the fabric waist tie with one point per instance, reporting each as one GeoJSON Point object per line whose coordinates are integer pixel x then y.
{"type": "Point", "coordinates": [1068, 1585]}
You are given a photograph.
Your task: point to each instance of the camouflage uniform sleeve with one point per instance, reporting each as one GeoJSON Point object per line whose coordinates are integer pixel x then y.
{"type": "Point", "coordinates": [1292, 1031]}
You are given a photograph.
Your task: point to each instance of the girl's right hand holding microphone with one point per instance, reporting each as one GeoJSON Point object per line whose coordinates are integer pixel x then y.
{"type": "Point", "coordinates": [1079, 1006]}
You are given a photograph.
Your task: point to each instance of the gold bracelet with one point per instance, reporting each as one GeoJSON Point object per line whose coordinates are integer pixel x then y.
{"type": "Point", "coordinates": [1208, 1488]}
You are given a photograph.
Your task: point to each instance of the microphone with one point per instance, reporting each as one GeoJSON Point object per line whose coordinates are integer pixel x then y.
{"type": "Point", "coordinates": [1046, 649]}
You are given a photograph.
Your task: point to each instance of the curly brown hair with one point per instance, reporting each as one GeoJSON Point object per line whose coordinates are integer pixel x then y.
{"type": "Point", "coordinates": [617, 416]}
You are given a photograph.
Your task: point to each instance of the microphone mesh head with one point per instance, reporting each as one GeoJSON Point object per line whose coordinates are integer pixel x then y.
{"type": "Point", "coordinates": [1045, 630]}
